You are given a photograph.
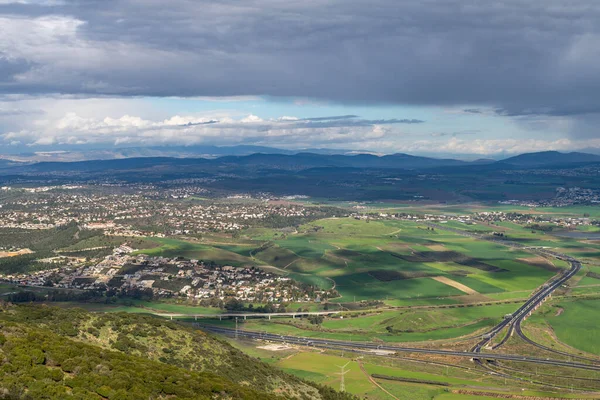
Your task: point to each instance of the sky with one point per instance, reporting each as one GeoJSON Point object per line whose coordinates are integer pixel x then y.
{"type": "Point", "coordinates": [435, 77]}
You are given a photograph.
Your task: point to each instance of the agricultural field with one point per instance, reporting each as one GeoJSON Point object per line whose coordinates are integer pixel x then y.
{"type": "Point", "coordinates": [226, 255]}
{"type": "Point", "coordinates": [399, 260]}
{"type": "Point", "coordinates": [325, 369]}
{"type": "Point", "coordinates": [403, 325]}
{"type": "Point", "coordinates": [396, 282]}
{"type": "Point", "coordinates": [573, 321]}
{"type": "Point", "coordinates": [471, 208]}
{"type": "Point", "coordinates": [396, 262]}
{"type": "Point", "coordinates": [376, 378]}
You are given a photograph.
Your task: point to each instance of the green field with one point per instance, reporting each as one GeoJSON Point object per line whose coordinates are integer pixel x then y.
{"type": "Point", "coordinates": [577, 325]}
{"type": "Point", "coordinates": [396, 262]}
{"type": "Point", "coordinates": [325, 368]}
{"type": "Point", "coordinates": [180, 248]}
{"type": "Point", "coordinates": [406, 325]}
{"type": "Point", "coordinates": [348, 251]}
{"type": "Point", "coordinates": [391, 261]}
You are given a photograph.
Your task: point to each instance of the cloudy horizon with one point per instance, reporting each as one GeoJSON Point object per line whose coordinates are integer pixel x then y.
{"type": "Point", "coordinates": [422, 77]}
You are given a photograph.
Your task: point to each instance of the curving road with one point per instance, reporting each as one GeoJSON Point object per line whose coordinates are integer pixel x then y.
{"type": "Point", "coordinates": [340, 344]}
{"type": "Point", "coordinates": [519, 330]}
{"type": "Point", "coordinates": [513, 323]}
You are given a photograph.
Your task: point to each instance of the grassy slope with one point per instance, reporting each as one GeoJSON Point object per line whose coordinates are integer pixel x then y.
{"type": "Point", "coordinates": [180, 248]}
{"type": "Point", "coordinates": [158, 343]}
{"type": "Point", "coordinates": [577, 325]}
{"type": "Point", "coordinates": [416, 325]}
{"type": "Point", "coordinates": [345, 250]}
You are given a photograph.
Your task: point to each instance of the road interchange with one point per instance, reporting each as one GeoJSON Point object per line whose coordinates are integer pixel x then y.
{"type": "Point", "coordinates": [512, 324]}
{"type": "Point", "coordinates": [340, 345]}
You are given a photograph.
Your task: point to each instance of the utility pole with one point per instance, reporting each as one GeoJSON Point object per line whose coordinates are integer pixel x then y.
{"type": "Point", "coordinates": [236, 328]}
{"type": "Point", "coordinates": [341, 374]}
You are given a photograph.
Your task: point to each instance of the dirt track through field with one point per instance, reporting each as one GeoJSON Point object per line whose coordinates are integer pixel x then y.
{"type": "Point", "coordinates": [373, 381]}
{"type": "Point", "coordinates": [560, 311]}
{"type": "Point", "coordinates": [454, 284]}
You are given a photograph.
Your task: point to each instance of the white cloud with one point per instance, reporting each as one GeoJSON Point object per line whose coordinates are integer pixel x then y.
{"type": "Point", "coordinates": [251, 118]}
{"type": "Point", "coordinates": [136, 122]}
{"type": "Point", "coordinates": [72, 128]}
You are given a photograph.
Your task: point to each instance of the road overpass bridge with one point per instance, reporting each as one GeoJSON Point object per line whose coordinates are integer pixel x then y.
{"type": "Point", "coordinates": [247, 315]}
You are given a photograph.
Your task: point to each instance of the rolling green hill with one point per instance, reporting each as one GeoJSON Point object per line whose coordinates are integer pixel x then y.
{"type": "Point", "coordinates": [50, 353]}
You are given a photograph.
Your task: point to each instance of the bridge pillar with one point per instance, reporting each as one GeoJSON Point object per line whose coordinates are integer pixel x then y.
{"type": "Point", "coordinates": [244, 317]}
{"type": "Point", "coordinates": [293, 316]}
{"type": "Point", "coordinates": [171, 318]}
{"type": "Point", "coordinates": [269, 317]}
{"type": "Point", "coordinates": [220, 317]}
{"type": "Point", "coordinates": [195, 318]}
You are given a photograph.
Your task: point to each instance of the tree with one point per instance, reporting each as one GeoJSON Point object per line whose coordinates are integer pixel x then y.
{"type": "Point", "coordinates": [234, 305]}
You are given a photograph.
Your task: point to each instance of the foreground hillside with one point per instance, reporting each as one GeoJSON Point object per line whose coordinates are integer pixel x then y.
{"type": "Point", "coordinates": [47, 352]}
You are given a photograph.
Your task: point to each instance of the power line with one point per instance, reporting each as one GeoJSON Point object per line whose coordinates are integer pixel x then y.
{"type": "Point", "coordinates": [341, 374]}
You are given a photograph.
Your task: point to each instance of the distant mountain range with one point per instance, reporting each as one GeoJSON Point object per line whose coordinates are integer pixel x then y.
{"type": "Point", "coordinates": [74, 153]}
{"type": "Point", "coordinates": [359, 177]}
{"type": "Point", "coordinates": [551, 158]}
{"type": "Point", "coordinates": [301, 161]}
{"type": "Point", "coordinates": [254, 155]}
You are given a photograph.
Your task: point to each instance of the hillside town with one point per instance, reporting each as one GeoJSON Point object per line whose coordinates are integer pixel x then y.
{"type": "Point", "coordinates": [122, 272]}
{"type": "Point", "coordinates": [486, 217]}
{"type": "Point", "coordinates": [564, 197]}
{"type": "Point", "coordinates": [139, 211]}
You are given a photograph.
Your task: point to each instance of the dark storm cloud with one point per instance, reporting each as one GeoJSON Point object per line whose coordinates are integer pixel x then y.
{"type": "Point", "coordinates": [11, 66]}
{"type": "Point", "coordinates": [563, 111]}
{"type": "Point", "coordinates": [508, 54]}
{"type": "Point", "coordinates": [19, 112]}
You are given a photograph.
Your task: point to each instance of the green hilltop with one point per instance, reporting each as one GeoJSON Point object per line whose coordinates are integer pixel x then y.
{"type": "Point", "coordinates": [50, 353]}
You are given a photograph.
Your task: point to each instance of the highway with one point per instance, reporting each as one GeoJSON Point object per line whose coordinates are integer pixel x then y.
{"type": "Point", "coordinates": [513, 323]}
{"type": "Point", "coordinates": [519, 330]}
{"type": "Point", "coordinates": [527, 308]}
{"type": "Point", "coordinates": [341, 345]}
